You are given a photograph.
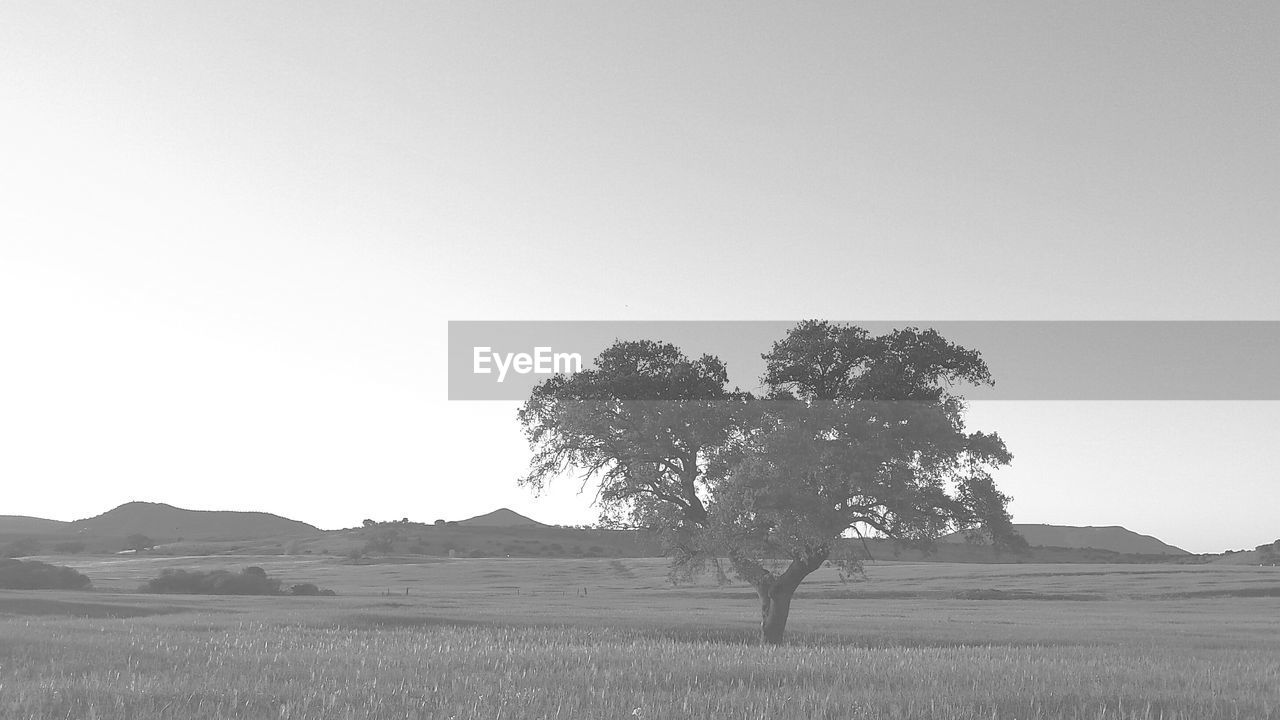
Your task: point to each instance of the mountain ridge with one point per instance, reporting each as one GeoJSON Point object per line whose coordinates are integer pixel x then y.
{"type": "Point", "coordinates": [1101, 537]}
{"type": "Point", "coordinates": [27, 525]}
{"type": "Point", "coordinates": [502, 517]}
{"type": "Point", "coordinates": [164, 521]}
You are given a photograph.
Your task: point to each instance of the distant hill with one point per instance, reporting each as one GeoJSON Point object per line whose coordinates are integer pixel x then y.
{"type": "Point", "coordinates": [502, 517]}
{"type": "Point", "coordinates": [22, 525]}
{"type": "Point", "coordinates": [1237, 557]}
{"type": "Point", "coordinates": [166, 522]}
{"type": "Point", "coordinates": [1113, 538]}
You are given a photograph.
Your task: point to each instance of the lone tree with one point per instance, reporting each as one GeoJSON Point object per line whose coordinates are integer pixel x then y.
{"type": "Point", "coordinates": [139, 542]}
{"type": "Point", "coordinates": [856, 435]}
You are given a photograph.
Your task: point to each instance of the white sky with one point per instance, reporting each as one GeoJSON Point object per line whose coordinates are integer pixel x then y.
{"type": "Point", "coordinates": [231, 234]}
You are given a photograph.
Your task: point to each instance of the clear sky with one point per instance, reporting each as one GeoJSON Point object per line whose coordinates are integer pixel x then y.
{"type": "Point", "coordinates": [231, 234]}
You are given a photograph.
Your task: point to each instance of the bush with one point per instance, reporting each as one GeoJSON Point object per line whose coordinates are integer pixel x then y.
{"type": "Point", "coordinates": [309, 589]}
{"type": "Point", "coordinates": [251, 581]}
{"type": "Point", "coordinates": [34, 575]}
{"type": "Point", "coordinates": [139, 542]}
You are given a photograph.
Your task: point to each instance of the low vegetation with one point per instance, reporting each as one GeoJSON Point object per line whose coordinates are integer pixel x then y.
{"type": "Point", "coordinates": [35, 575]}
{"type": "Point", "coordinates": [250, 581]}
{"type": "Point", "coordinates": [22, 547]}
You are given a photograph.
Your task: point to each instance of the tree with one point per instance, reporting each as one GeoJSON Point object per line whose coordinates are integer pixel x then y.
{"type": "Point", "coordinates": [856, 435]}
{"type": "Point", "coordinates": [249, 581]}
{"type": "Point", "coordinates": [139, 542]}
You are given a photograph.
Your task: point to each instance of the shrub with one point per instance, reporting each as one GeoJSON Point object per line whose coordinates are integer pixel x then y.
{"type": "Point", "coordinates": [139, 542]}
{"type": "Point", "coordinates": [250, 581]}
{"type": "Point", "coordinates": [34, 575]}
{"type": "Point", "coordinates": [309, 589]}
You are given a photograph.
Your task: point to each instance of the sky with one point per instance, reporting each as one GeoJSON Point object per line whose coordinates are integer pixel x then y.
{"type": "Point", "coordinates": [232, 234]}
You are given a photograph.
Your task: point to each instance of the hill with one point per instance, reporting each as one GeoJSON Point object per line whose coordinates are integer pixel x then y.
{"type": "Point", "coordinates": [22, 525]}
{"type": "Point", "coordinates": [1114, 538]}
{"type": "Point", "coordinates": [502, 517]}
{"type": "Point", "coordinates": [166, 522]}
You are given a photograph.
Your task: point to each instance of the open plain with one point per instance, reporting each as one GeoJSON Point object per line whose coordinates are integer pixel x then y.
{"type": "Point", "coordinates": [613, 638]}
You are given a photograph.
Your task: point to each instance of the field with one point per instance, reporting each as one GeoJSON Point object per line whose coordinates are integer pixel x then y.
{"type": "Point", "coordinates": [601, 638]}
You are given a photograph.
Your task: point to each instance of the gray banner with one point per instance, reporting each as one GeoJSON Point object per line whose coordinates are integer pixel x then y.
{"type": "Point", "coordinates": [1030, 360]}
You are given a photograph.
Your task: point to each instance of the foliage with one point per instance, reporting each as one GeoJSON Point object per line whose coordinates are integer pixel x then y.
{"type": "Point", "coordinates": [35, 575]}
{"type": "Point", "coordinates": [856, 434]}
{"type": "Point", "coordinates": [308, 589]}
{"type": "Point", "coordinates": [381, 541]}
{"type": "Point", "coordinates": [1269, 554]}
{"type": "Point", "coordinates": [250, 581]}
{"type": "Point", "coordinates": [139, 542]}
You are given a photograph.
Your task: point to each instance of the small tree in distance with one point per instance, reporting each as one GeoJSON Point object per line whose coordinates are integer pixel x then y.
{"type": "Point", "coordinates": [139, 542]}
{"type": "Point", "coordinates": [856, 433]}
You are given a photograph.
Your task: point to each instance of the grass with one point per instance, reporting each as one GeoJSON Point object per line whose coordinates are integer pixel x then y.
{"type": "Point", "coordinates": [518, 639]}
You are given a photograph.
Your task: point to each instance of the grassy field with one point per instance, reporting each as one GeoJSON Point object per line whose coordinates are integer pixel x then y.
{"type": "Point", "coordinates": [600, 638]}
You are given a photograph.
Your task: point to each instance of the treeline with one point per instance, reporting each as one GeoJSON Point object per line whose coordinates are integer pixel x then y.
{"type": "Point", "coordinates": [1269, 554]}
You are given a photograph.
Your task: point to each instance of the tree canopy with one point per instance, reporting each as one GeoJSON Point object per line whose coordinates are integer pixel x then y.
{"type": "Point", "coordinates": [856, 434]}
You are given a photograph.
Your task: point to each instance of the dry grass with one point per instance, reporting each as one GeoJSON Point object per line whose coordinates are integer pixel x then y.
{"type": "Point", "coordinates": [464, 644]}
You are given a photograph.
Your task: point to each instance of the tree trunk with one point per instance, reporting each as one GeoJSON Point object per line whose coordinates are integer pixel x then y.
{"type": "Point", "coordinates": [775, 605]}
{"type": "Point", "coordinates": [775, 591]}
